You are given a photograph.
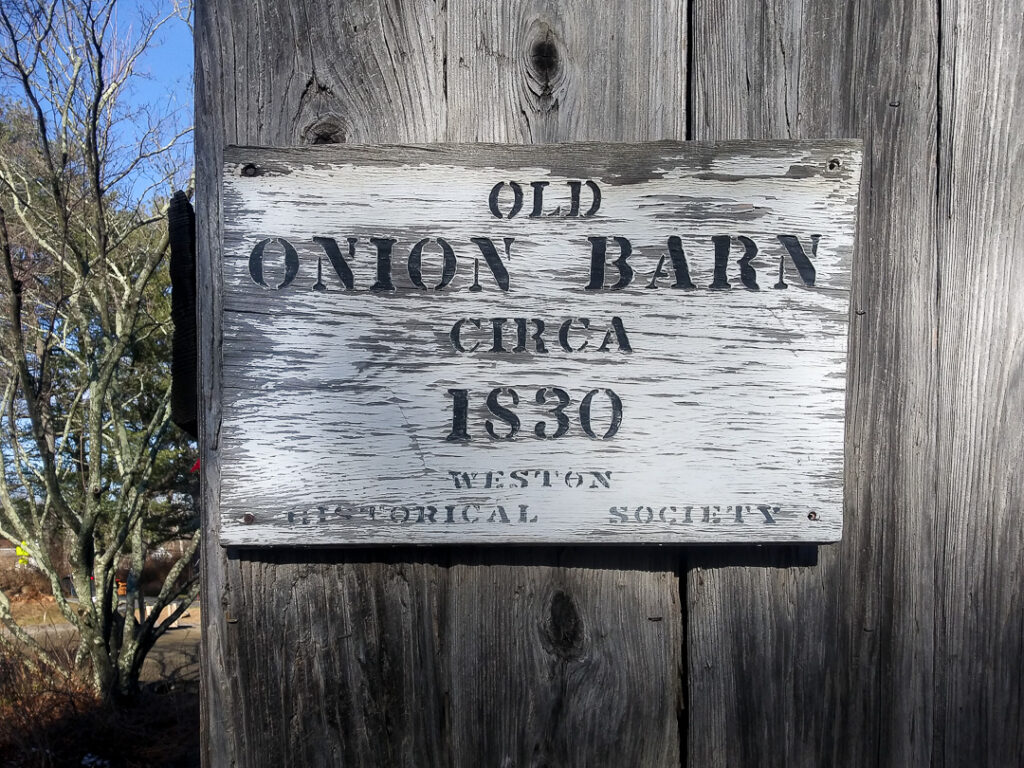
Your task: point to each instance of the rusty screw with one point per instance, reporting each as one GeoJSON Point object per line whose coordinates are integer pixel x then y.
{"type": "Point", "coordinates": [249, 518]}
{"type": "Point", "coordinates": [249, 170]}
{"type": "Point", "coordinates": [834, 164]}
{"type": "Point", "coordinates": [812, 515]}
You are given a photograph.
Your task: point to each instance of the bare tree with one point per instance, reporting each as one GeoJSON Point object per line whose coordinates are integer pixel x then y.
{"type": "Point", "coordinates": [90, 461]}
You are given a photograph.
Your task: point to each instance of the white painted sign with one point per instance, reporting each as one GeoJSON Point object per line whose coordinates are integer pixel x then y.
{"type": "Point", "coordinates": [582, 343]}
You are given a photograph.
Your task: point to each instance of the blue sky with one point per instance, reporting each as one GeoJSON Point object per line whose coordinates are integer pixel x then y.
{"type": "Point", "coordinates": [167, 64]}
{"type": "Point", "coordinates": [164, 80]}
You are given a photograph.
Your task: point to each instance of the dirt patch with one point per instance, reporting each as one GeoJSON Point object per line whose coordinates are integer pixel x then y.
{"type": "Point", "coordinates": [41, 612]}
{"type": "Point", "coordinates": [45, 721]}
{"type": "Point", "coordinates": [24, 583]}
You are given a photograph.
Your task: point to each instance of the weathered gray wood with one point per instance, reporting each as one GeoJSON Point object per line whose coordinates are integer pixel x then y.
{"type": "Point", "coordinates": [833, 664]}
{"type": "Point", "coordinates": [902, 646]}
{"type": "Point", "coordinates": [372, 658]}
{"type": "Point", "coordinates": [284, 73]}
{"type": "Point", "coordinates": [536, 71]}
{"type": "Point", "coordinates": [979, 539]}
{"type": "Point", "coordinates": [494, 79]}
{"type": "Point", "coordinates": [583, 677]}
{"type": "Point", "coordinates": [730, 392]}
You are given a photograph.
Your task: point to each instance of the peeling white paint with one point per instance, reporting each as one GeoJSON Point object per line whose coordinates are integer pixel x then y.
{"type": "Point", "coordinates": [338, 400]}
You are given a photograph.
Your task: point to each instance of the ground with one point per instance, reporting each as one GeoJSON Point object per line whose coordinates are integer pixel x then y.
{"type": "Point", "coordinates": [159, 729]}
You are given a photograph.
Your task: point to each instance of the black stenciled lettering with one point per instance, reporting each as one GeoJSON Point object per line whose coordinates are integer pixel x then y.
{"type": "Point", "coordinates": [563, 334]}
{"type": "Point", "coordinates": [291, 262]}
{"type": "Point", "coordinates": [644, 514]}
{"type": "Point", "coordinates": [679, 265]}
{"type": "Point", "coordinates": [341, 267]}
{"type": "Point", "coordinates": [598, 261]}
{"type": "Point", "coordinates": [658, 273]}
{"type": "Point", "coordinates": [538, 198]}
{"type": "Point", "coordinates": [499, 511]}
{"type": "Point", "coordinates": [596, 204]}
{"type": "Point", "coordinates": [427, 513]}
{"type": "Point", "coordinates": [618, 515]}
{"type": "Point", "coordinates": [517, 202]}
{"type": "Point", "coordinates": [523, 510]}
{"type": "Point", "coordinates": [456, 334]}
{"type": "Point", "coordinates": [720, 282]}
{"type": "Point", "coordinates": [384, 245]}
{"type": "Point", "coordinates": [497, 334]}
{"type": "Point", "coordinates": [574, 197]}
{"type": "Point", "coordinates": [493, 261]}
{"type": "Point", "coordinates": [545, 474]}
{"type": "Point", "coordinates": [572, 479]}
{"type": "Point", "coordinates": [748, 275]}
{"type": "Point", "coordinates": [618, 331]}
{"type": "Point", "coordinates": [462, 479]}
{"type": "Point", "coordinates": [319, 285]}
{"type": "Point", "coordinates": [503, 413]}
{"type": "Point", "coordinates": [401, 517]}
{"type": "Point", "coordinates": [677, 256]}
{"type": "Point", "coordinates": [558, 411]}
{"type": "Point", "coordinates": [804, 266]}
{"type": "Point", "coordinates": [522, 335]}
{"type": "Point", "coordinates": [448, 267]}
{"type": "Point", "coordinates": [585, 413]}
{"type": "Point", "coordinates": [460, 416]}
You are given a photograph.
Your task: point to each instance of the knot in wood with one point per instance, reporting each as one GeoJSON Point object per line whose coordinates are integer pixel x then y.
{"type": "Point", "coordinates": [563, 631]}
{"type": "Point", "coordinates": [544, 57]}
{"type": "Point", "coordinates": [544, 70]}
{"type": "Point", "coordinates": [327, 129]}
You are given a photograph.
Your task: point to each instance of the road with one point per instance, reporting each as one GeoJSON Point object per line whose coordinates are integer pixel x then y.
{"type": "Point", "coordinates": [175, 657]}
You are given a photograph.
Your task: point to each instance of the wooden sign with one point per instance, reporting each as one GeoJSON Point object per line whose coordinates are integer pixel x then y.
{"type": "Point", "coordinates": [581, 343]}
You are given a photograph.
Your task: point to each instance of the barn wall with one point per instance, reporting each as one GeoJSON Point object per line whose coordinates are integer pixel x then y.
{"type": "Point", "coordinates": [900, 646]}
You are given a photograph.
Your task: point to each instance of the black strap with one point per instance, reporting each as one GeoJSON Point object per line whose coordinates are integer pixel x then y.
{"type": "Point", "coordinates": [181, 229]}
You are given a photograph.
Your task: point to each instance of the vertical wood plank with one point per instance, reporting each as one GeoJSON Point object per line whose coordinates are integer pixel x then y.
{"type": "Point", "coordinates": [566, 657]}
{"type": "Point", "coordinates": [536, 71]}
{"type": "Point", "coordinates": [980, 638]}
{"type": "Point", "coordinates": [334, 658]}
{"type": "Point", "coordinates": [575, 654]}
{"type": "Point", "coordinates": [438, 657]}
{"type": "Point", "coordinates": [833, 664]}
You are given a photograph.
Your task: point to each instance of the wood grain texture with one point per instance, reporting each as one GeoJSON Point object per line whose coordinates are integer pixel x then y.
{"type": "Point", "coordinates": [979, 633]}
{"type": "Point", "coordinates": [287, 73]}
{"type": "Point", "coordinates": [730, 398]}
{"type": "Point", "coordinates": [374, 657]}
{"type": "Point", "coordinates": [902, 646]}
{"type": "Point", "coordinates": [541, 71]}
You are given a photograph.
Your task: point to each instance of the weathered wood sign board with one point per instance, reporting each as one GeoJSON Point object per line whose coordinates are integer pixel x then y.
{"type": "Point", "coordinates": [577, 343]}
